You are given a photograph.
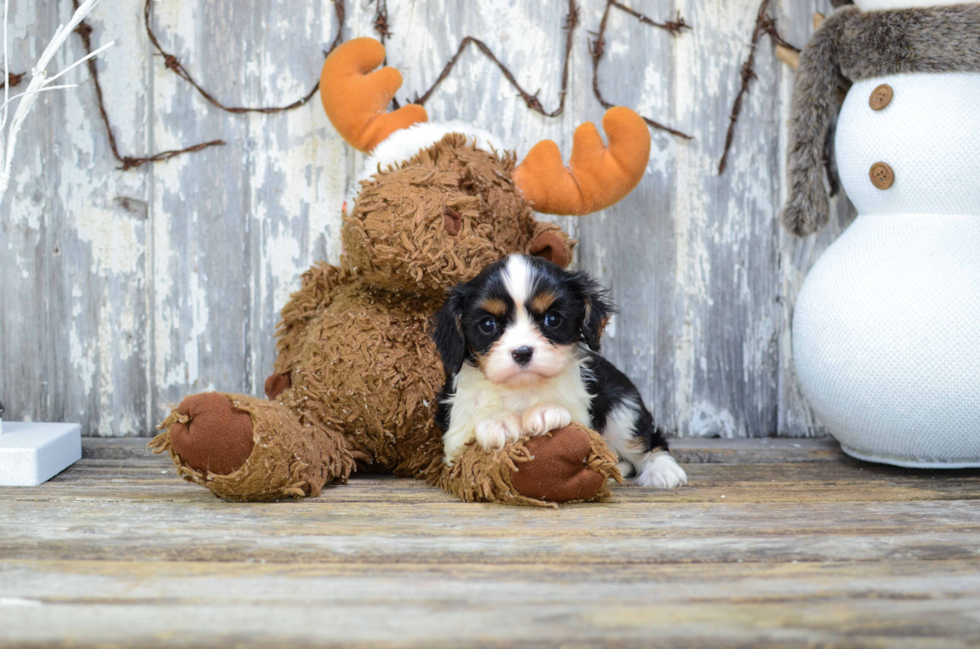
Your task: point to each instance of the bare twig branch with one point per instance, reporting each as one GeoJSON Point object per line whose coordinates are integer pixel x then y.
{"type": "Point", "coordinates": [84, 30]}
{"type": "Point", "coordinates": [673, 26]}
{"type": "Point", "coordinates": [747, 74]}
{"type": "Point", "coordinates": [786, 52]}
{"type": "Point", "coordinates": [13, 79]}
{"type": "Point", "coordinates": [598, 47]}
{"type": "Point", "coordinates": [40, 82]}
{"type": "Point", "coordinates": [532, 102]}
{"type": "Point", "coordinates": [788, 56]}
{"type": "Point", "coordinates": [131, 162]}
{"type": "Point", "coordinates": [769, 27]}
{"type": "Point", "coordinates": [174, 64]}
{"type": "Point", "coordinates": [381, 25]}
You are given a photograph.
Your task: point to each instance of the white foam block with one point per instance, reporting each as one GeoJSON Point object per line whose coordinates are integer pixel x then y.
{"type": "Point", "coordinates": [33, 453]}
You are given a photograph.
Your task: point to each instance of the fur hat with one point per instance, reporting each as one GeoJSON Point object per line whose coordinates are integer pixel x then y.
{"type": "Point", "coordinates": [854, 44]}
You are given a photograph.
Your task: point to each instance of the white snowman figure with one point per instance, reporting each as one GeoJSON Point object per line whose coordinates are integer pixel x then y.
{"type": "Point", "coordinates": [886, 329]}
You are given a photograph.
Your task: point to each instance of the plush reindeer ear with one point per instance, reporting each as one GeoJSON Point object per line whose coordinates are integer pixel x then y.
{"type": "Point", "coordinates": [552, 244]}
{"type": "Point", "coordinates": [597, 309]}
{"type": "Point", "coordinates": [448, 334]}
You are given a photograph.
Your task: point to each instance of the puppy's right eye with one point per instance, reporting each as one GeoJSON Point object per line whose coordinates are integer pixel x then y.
{"type": "Point", "coordinates": [488, 325]}
{"type": "Point", "coordinates": [552, 320]}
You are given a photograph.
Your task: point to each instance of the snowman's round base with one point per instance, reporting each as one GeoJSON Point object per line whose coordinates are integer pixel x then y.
{"type": "Point", "coordinates": [33, 453]}
{"type": "Point", "coordinates": [907, 462]}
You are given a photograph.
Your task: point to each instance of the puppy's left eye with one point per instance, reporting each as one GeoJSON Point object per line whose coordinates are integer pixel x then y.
{"type": "Point", "coordinates": [552, 320]}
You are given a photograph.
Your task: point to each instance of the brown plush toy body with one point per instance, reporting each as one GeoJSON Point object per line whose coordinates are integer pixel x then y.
{"type": "Point", "coordinates": [357, 375]}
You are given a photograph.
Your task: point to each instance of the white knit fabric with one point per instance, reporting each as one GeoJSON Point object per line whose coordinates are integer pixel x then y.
{"type": "Point", "coordinates": [886, 331]}
{"type": "Point", "coordinates": [405, 143]}
{"type": "Point", "coordinates": [929, 134]}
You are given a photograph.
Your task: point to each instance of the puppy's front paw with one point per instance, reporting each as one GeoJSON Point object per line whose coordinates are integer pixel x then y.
{"type": "Point", "coordinates": [662, 472]}
{"type": "Point", "coordinates": [493, 433]}
{"type": "Point", "coordinates": [544, 418]}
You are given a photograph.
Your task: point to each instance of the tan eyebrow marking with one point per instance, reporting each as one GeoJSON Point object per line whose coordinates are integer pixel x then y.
{"type": "Point", "coordinates": [543, 301]}
{"type": "Point", "coordinates": [495, 306]}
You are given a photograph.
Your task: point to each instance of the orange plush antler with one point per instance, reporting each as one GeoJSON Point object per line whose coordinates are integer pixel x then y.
{"type": "Point", "coordinates": [597, 177]}
{"type": "Point", "coordinates": [355, 98]}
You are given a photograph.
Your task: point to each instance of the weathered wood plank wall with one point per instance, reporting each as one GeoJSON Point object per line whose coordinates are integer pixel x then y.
{"type": "Point", "coordinates": [121, 291]}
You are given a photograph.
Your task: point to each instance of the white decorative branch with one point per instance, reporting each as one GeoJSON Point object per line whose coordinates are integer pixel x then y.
{"type": "Point", "coordinates": [40, 82]}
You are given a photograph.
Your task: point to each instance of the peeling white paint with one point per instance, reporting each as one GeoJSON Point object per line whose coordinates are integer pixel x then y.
{"type": "Point", "coordinates": [26, 211]}
{"type": "Point", "coordinates": [82, 352]}
{"type": "Point", "coordinates": [116, 246]}
{"type": "Point", "coordinates": [709, 421]}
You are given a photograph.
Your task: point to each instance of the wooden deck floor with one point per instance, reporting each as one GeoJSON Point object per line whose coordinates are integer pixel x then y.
{"type": "Point", "coordinates": [774, 543]}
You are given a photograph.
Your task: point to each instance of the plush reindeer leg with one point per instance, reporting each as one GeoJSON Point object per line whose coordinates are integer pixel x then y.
{"type": "Point", "coordinates": [572, 464]}
{"type": "Point", "coordinates": [242, 448]}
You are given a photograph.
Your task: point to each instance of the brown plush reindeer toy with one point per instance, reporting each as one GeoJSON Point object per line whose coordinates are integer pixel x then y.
{"type": "Point", "coordinates": [357, 375]}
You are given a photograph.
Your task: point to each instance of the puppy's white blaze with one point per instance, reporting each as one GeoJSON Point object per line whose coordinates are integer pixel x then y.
{"type": "Point", "coordinates": [659, 469]}
{"type": "Point", "coordinates": [476, 398]}
{"type": "Point", "coordinates": [651, 468]}
{"type": "Point", "coordinates": [519, 280]}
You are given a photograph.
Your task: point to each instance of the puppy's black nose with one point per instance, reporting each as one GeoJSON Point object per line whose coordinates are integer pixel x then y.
{"type": "Point", "coordinates": [523, 355]}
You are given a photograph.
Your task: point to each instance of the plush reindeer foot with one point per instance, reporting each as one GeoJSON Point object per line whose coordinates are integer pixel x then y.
{"type": "Point", "coordinates": [210, 435]}
{"type": "Point", "coordinates": [572, 464]}
{"type": "Point", "coordinates": [242, 448]}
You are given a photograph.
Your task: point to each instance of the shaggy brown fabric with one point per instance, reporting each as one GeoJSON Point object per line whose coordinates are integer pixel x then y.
{"type": "Point", "coordinates": [317, 287]}
{"type": "Point", "coordinates": [369, 368]}
{"type": "Point", "coordinates": [288, 459]}
{"type": "Point", "coordinates": [396, 236]}
{"type": "Point", "coordinates": [860, 45]}
{"type": "Point", "coordinates": [573, 464]}
{"type": "Point", "coordinates": [357, 374]}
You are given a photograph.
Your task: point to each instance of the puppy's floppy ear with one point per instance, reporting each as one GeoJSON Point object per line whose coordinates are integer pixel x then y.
{"type": "Point", "coordinates": [448, 333]}
{"type": "Point", "coordinates": [597, 308]}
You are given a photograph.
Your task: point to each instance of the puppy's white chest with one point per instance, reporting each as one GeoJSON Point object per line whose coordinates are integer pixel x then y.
{"type": "Point", "coordinates": [476, 398]}
{"type": "Point", "coordinates": [475, 393]}
{"type": "Point", "coordinates": [518, 401]}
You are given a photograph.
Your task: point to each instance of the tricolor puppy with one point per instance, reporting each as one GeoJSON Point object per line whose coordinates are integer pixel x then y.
{"type": "Point", "coordinates": [520, 348]}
